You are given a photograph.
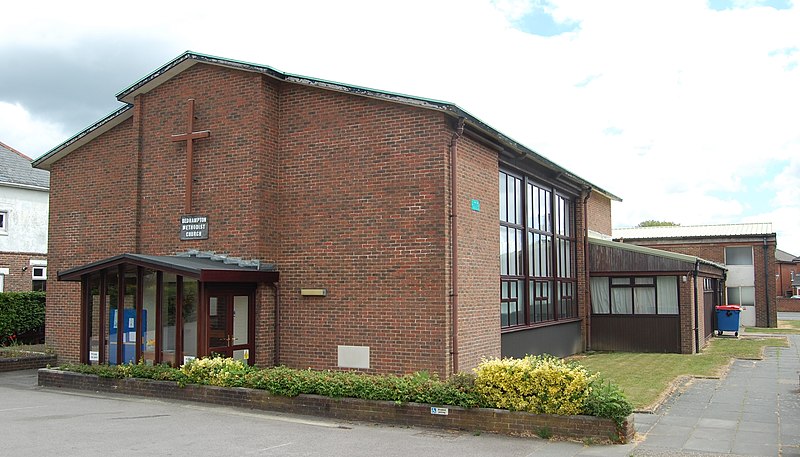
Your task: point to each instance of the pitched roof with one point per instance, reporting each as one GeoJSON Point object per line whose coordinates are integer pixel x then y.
{"type": "Point", "coordinates": [783, 256]}
{"type": "Point", "coordinates": [652, 251]}
{"type": "Point", "coordinates": [693, 231]}
{"type": "Point", "coordinates": [189, 59]}
{"type": "Point", "coordinates": [16, 170]}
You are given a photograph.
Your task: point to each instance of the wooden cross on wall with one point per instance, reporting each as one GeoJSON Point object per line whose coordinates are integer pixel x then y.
{"type": "Point", "coordinates": [189, 138]}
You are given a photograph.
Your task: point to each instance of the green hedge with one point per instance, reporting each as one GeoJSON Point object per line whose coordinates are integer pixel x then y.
{"type": "Point", "coordinates": [593, 397]}
{"type": "Point", "coordinates": [20, 312]}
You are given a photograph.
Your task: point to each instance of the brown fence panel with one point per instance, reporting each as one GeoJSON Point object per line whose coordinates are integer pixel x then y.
{"type": "Point", "coordinates": [631, 333]}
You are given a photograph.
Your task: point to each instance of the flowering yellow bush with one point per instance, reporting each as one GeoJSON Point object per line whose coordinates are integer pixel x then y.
{"type": "Point", "coordinates": [537, 384]}
{"type": "Point", "coordinates": [215, 371]}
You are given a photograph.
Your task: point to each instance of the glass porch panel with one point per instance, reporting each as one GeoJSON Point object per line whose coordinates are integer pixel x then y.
{"type": "Point", "coordinates": [241, 354]}
{"type": "Point", "coordinates": [169, 318]}
{"type": "Point", "coordinates": [217, 322]}
{"type": "Point", "coordinates": [149, 293]}
{"type": "Point", "coordinates": [93, 320]}
{"type": "Point", "coordinates": [190, 298]}
{"type": "Point", "coordinates": [130, 325]}
{"type": "Point", "coordinates": [241, 309]}
{"type": "Point", "coordinates": [112, 302]}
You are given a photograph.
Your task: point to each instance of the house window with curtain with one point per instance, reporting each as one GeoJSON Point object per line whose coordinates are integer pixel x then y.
{"type": "Point", "coordinates": [634, 295]}
{"type": "Point", "coordinates": [538, 283]}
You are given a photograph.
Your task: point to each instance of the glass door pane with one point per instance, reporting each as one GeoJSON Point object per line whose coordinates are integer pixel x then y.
{"type": "Point", "coordinates": [217, 323]}
{"type": "Point", "coordinates": [240, 319]}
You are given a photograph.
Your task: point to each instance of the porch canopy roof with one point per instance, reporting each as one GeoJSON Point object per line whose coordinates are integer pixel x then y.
{"type": "Point", "coordinates": [205, 267]}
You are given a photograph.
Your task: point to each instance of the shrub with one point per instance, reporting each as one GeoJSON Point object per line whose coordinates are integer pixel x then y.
{"type": "Point", "coordinates": [20, 312]}
{"type": "Point", "coordinates": [537, 384]}
{"type": "Point", "coordinates": [215, 371]}
{"type": "Point", "coordinates": [607, 400]}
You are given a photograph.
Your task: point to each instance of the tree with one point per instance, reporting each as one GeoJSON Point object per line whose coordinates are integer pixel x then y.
{"type": "Point", "coordinates": [654, 223]}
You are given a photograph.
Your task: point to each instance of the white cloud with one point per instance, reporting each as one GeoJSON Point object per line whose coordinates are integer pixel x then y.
{"type": "Point", "coordinates": [27, 134]}
{"type": "Point", "coordinates": [667, 104]}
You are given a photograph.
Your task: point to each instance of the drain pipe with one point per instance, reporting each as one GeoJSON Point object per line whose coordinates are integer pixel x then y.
{"type": "Point", "coordinates": [587, 292]}
{"type": "Point", "coordinates": [766, 279]}
{"type": "Point", "coordinates": [276, 286]}
{"type": "Point", "coordinates": [696, 308]}
{"type": "Point", "coordinates": [454, 238]}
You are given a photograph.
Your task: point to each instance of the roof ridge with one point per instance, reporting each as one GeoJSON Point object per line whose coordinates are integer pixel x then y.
{"type": "Point", "coordinates": [16, 152]}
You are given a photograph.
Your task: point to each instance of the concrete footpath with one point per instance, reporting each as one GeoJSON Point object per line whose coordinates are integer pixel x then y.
{"type": "Point", "coordinates": [753, 411]}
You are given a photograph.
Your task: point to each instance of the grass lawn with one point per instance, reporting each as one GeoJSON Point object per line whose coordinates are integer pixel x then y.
{"type": "Point", "coordinates": [785, 327]}
{"type": "Point", "coordinates": [645, 377]}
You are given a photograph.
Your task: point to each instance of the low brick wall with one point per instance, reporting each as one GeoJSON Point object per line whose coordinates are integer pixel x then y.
{"type": "Point", "coordinates": [26, 362]}
{"type": "Point", "coordinates": [789, 305]}
{"type": "Point", "coordinates": [408, 414]}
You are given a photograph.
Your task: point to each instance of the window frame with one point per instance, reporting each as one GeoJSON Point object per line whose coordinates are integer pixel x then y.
{"type": "Point", "coordinates": [546, 291]}
{"type": "Point", "coordinates": [632, 284]}
{"type": "Point", "coordinates": [741, 248]}
{"type": "Point", "coordinates": [4, 222]}
{"type": "Point", "coordinates": [38, 281]}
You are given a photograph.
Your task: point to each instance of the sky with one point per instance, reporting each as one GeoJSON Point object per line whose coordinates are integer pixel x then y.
{"type": "Point", "coordinates": [688, 110]}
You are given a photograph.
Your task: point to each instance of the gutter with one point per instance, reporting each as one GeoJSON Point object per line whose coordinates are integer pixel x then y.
{"type": "Point", "coordinates": [454, 238]}
{"type": "Point", "coordinates": [696, 309]}
{"type": "Point", "coordinates": [276, 286]}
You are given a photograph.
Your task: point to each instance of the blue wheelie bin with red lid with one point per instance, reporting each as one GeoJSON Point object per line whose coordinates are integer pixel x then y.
{"type": "Point", "coordinates": [728, 319]}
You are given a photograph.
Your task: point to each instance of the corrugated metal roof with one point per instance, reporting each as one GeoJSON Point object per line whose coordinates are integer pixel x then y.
{"type": "Point", "coordinates": [693, 231]}
{"type": "Point", "coordinates": [16, 170]}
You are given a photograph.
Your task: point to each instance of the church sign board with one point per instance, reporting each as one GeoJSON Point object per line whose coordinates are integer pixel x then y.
{"type": "Point", "coordinates": [194, 227]}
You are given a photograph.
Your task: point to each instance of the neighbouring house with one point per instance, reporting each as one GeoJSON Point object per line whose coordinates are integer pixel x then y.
{"type": "Point", "coordinates": [235, 209]}
{"type": "Point", "coordinates": [23, 222]}
{"type": "Point", "coordinates": [746, 250]}
{"type": "Point", "coordinates": [787, 281]}
{"type": "Point", "coordinates": [787, 268]}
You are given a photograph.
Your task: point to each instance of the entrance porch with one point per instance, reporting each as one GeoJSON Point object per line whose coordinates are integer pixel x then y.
{"type": "Point", "coordinates": [168, 309]}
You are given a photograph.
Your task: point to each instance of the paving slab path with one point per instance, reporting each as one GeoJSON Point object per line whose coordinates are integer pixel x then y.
{"type": "Point", "coordinates": [753, 411]}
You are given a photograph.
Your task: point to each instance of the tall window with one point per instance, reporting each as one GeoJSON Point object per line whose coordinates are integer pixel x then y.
{"type": "Point", "coordinates": [537, 253]}
{"type": "Point", "coordinates": [3, 222]}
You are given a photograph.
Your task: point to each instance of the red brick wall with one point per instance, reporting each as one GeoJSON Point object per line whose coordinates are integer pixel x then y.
{"type": "Point", "coordinates": [362, 213]}
{"type": "Point", "coordinates": [686, 309]}
{"type": "Point", "coordinates": [789, 305]}
{"type": "Point", "coordinates": [478, 259]}
{"type": "Point", "coordinates": [92, 216]}
{"type": "Point", "coordinates": [599, 213]}
{"type": "Point", "coordinates": [341, 192]}
{"type": "Point", "coordinates": [18, 280]}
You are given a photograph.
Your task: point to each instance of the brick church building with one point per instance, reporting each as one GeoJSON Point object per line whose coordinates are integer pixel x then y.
{"type": "Point", "coordinates": [231, 208]}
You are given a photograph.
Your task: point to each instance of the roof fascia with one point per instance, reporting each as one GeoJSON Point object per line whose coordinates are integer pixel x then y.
{"type": "Point", "coordinates": [25, 186]}
{"type": "Point", "coordinates": [83, 137]}
{"type": "Point", "coordinates": [75, 274]}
